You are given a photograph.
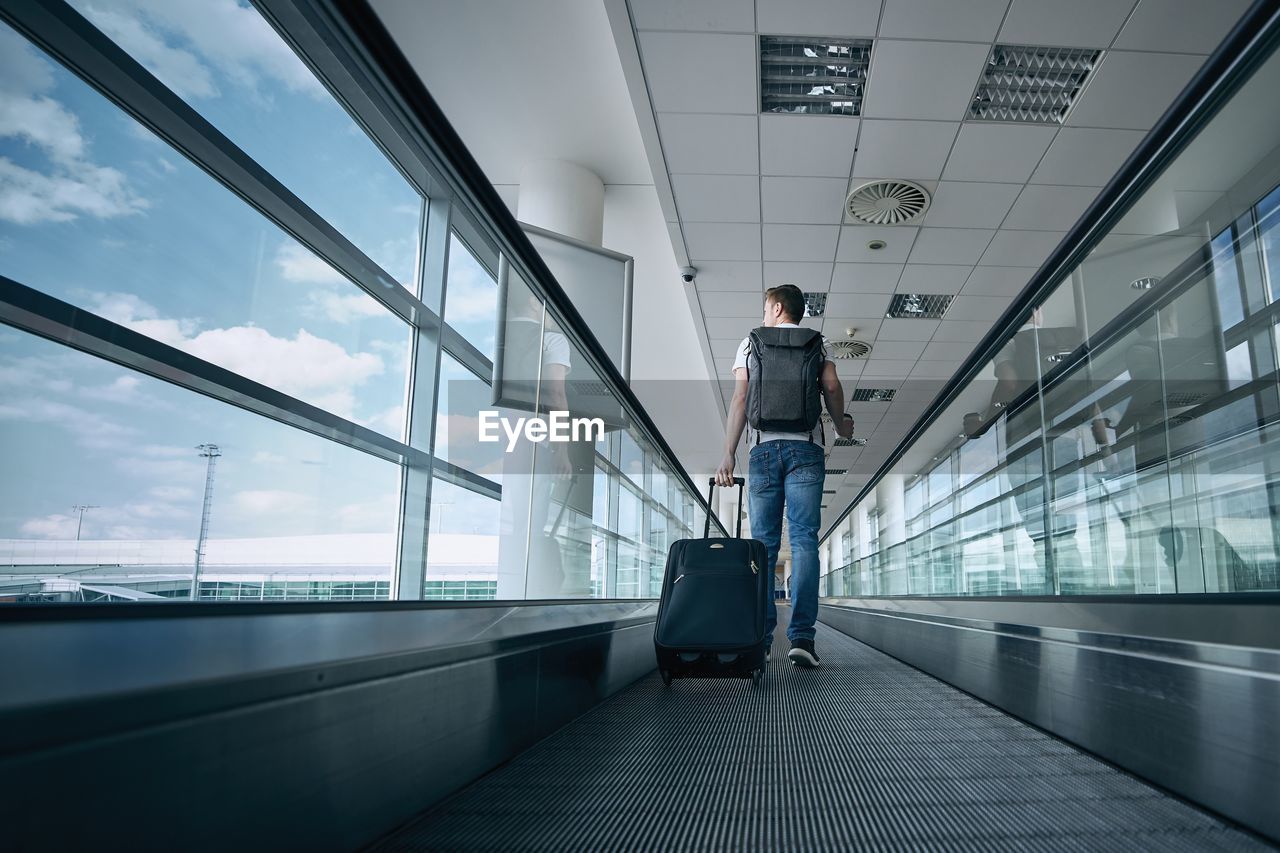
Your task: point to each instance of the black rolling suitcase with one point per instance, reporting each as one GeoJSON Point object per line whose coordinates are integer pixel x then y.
{"type": "Point", "coordinates": [715, 595]}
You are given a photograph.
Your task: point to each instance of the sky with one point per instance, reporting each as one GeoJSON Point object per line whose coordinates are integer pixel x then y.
{"type": "Point", "coordinates": [97, 211]}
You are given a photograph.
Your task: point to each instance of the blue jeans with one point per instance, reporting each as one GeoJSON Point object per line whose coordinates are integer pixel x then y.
{"type": "Point", "coordinates": [791, 472]}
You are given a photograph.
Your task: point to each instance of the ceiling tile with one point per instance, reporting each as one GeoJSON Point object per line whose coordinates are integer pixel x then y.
{"type": "Point", "coordinates": [800, 242]}
{"type": "Point", "coordinates": [709, 144]}
{"type": "Point", "coordinates": [950, 245]}
{"type": "Point", "coordinates": [933, 278]}
{"type": "Point", "coordinates": [897, 350]}
{"type": "Point", "coordinates": [1132, 90]}
{"type": "Point", "coordinates": [865, 278]}
{"type": "Point", "coordinates": [675, 62]}
{"type": "Point", "coordinates": [806, 276]}
{"type": "Point", "coordinates": [807, 145]}
{"type": "Point", "coordinates": [973, 20]}
{"type": "Point", "coordinates": [952, 351]}
{"type": "Point", "coordinates": [835, 327]}
{"type": "Point", "coordinates": [997, 281]}
{"type": "Point", "coordinates": [728, 327]}
{"type": "Point", "coordinates": [717, 198]}
{"type": "Point", "coordinates": [892, 368]}
{"type": "Point", "coordinates": [814, 201]}
{"type": "Point", "coordinates": [968, 331]}
{"type": "Point", "coordinates": [854, 239]}
{"type": "Point", "coordinates": [725, 347]}
{"type": "Point", "coordinates": [976, 307]}
{"type": "Point", "coordinates": [915, 150]}
{"type": "Point", "coordinates": [907, 330]}
{"type": "Point", "coordinates": [1191, 26]}
{"type": "Point", "coordinates": [997, 152]}
{"type": "Point", "coordinates": [730, 275]}
{"type": "Point", "coordinates": [933, 369]}
{"type": "Point", "coordinates": [857, 304]}
{"type": "Point", "coordinates": [962, 204]}
{"type": "Point", "coordinates": [1020, 248]}
{"type": "Point", "coordinates": [917, 393]}
{"type": "Point", "coordinates": [721, 15]}
{"type": "Point", "coordinates": [719, 241]}
{"type": "Point", "coordinates": [1084, 156]}
{"type": "Point", "coordinates": [848, 368]}
{"type": "Point", "coordinates": [1046, 208]}
{"type": "Point", "coordinates": [1080, 23]}
{"type": "Point", "coordinates": [832, 18]}
{"type": "Point", "coordinates": [726, 303]}
{"type": "Point", "coordinates": [923, 79]}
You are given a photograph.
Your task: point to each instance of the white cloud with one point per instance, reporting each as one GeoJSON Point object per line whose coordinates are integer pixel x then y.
{"type": "Point", "coordinates": [125, 389]}
{"type": "Point", "coordinates": [346, 308]}
{"type": "Point", "coordinates": [230, 37]}
{"type": "Point", "coordinates": [297, 264]}
{"type": "Point", "coordinates": [29, 198]}
{"type": "Point", "coordinates": [73, 185]}
{"type": "Point", "coordinates": [178, 69]}
{"type": "Point", "coordinates": [471, 294]}
{"type": "Point", "coordinates": [56, 526]}
{"type": "Point", "coordinates": [272, 501]}
{"type": "Point", "coordinates": [172, 493]}
{"type": "Point", "coordinates": [264, 457]}
{"type": "Point", "coordinates": [91, 429]}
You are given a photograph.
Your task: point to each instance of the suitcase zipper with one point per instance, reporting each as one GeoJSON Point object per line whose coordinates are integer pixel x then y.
{"type": "Point", "coordinates": [754, 569]}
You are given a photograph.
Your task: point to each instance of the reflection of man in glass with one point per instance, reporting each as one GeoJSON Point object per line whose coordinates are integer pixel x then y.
{"type": "Point", "coordinates": [1017, 369]}
{"type": "Point", "coordinates": [536, 364]}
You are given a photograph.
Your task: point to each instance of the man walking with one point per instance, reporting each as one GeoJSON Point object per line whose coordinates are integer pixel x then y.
{"type": "Point", "coordinates": [780, 372]}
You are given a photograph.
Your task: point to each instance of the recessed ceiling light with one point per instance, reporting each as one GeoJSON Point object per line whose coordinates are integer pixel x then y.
{"type": "Point", "coordinates": [1031, 84]}
{"type": "Point", "coordinates": [876, 245]}
{"type": "Point", "coordinates": [813, 76]}
{"type": "Point", "coordinates": [1145, 283]}
{"type": "Point", "coordinates": [919, 306]}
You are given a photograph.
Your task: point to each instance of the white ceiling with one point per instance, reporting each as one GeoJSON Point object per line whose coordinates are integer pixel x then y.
{"type": "Point", "coordinates": [757, 199]}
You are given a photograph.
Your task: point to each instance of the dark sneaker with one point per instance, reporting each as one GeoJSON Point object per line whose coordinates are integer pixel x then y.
{"type": "Point", "coordinates": [803, 654]}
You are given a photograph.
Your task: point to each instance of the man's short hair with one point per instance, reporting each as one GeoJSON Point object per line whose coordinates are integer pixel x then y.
{"type": "Point", "coordinates": [790, 298]}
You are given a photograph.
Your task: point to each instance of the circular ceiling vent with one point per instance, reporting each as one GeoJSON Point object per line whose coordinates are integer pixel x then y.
{"type": "Point", "coordinates": [887, 202]}
{"type": "Point", "coordinates": [850, 349]}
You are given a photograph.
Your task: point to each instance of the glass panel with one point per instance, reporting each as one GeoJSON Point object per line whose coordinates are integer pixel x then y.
{"type": "Point", "coordinates": [462, 549]}
{"type": "Point", "coordinates": [105, 481]}
{"type": "Point", "coordinates": [471, 298]}
{"type": "Point", "coordinates": [1118, 443]}
{"type": "Point", "coordinates": [228, 63]}
{"type": "Point", "coordinates": [162, 248]}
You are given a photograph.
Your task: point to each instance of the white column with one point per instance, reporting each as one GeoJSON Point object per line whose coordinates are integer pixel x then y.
{"type": "Point", "coordinates": [562, 197]}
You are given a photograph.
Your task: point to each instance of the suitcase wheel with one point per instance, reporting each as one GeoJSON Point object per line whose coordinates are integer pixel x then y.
{"type": "Point", "coordinates": [666, 676]}
{"type": "Point", "coordinates": [756, 675]}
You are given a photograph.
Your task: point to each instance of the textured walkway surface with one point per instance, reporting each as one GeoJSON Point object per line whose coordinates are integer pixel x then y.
{"type": "Point", "coordinates": [865, 753]}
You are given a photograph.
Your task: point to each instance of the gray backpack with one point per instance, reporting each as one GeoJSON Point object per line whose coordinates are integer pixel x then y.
{"type": "Point", "coordinates": [783, 369]}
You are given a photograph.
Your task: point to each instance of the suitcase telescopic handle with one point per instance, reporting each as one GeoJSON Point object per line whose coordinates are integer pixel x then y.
{"type": "Point", "coordinates": [711, 492]}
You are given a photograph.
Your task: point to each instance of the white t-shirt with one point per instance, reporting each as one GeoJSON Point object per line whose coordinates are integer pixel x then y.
{"type": "Point", "coordinates": [755, 436]}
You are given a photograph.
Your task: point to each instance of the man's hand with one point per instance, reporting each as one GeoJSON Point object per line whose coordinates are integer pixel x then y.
{"type": "Point", "coordinates": [724, 474]}
{"type": "Point", "coordinates": [845, 427]}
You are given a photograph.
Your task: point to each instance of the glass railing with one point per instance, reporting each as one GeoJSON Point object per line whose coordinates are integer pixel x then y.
{"type": "Point", "coordinates": [1123, 438]}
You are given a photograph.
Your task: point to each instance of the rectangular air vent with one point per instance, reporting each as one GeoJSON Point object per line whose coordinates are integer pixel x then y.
{"type": "Point", "coordinates": [851, 442]}
{"type": "Point", "coordinates": [919, 306]}
{"type": "Point", "coordinates": [828, 491]}
{"type": "Point", "coordinates": [873, 395]}
{"type": "Point", "coordinates": [837, 470]}
{"type": "Point", "coordinates": [1028, 84]}
{"type": "Point", "coordinates": [814, 76]}
{"type": "Point", "coordinates": [815, 304]}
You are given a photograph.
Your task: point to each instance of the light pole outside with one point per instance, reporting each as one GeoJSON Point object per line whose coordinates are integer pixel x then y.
{"type": "Point", "coordinates": [210, 452]}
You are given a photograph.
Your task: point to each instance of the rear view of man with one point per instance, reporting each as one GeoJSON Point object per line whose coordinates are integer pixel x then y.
{"type": "Point", "coordinates": [780, 372]}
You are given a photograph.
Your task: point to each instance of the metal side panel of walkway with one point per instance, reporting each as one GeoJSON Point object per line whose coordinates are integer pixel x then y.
{"type": "Point", "coordinates": [865, 753]}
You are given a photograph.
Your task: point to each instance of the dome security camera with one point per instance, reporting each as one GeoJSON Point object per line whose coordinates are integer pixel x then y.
{"type": "Point", "coordinates": [688, 274]}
